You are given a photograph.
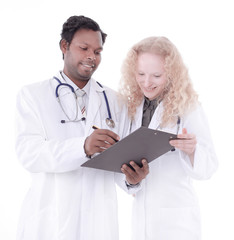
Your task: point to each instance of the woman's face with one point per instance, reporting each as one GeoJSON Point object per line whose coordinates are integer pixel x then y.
{"type": "Point", "coordinates": [150, 74]}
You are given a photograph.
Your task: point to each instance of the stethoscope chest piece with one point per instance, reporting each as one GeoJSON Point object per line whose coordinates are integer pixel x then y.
{"type": "Point", "coordinates": [110, 123]}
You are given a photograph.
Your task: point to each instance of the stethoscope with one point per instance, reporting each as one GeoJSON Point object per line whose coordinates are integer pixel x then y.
{"type": "Point", "coordinates": [109, 121]}
{"type": "Point", "coordinates": [177, 130]}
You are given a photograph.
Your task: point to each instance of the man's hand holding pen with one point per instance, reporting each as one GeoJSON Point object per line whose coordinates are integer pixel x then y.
{"type": "Point", "coordinates": [99, 140]}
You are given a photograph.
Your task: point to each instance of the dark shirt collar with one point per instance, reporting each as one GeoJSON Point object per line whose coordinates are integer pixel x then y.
{"type": "Point", "coordinates": [152, 104]}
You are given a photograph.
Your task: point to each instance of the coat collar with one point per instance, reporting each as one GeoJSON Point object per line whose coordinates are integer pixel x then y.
{"type": "Point", "coordinates": [94, 105]}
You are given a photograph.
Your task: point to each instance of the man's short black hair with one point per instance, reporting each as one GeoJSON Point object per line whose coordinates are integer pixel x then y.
{"type": "Point", "coordinates": [74, 23]}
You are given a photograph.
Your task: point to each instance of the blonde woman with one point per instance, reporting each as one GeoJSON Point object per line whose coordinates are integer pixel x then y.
{"type": "Point", "coordinates": [161, 96]}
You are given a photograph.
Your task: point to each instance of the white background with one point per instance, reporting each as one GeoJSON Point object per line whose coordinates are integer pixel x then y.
{"type": "Point", "coordinates": [203, 32]}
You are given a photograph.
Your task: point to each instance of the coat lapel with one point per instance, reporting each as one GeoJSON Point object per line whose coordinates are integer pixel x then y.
{"type": "Point", "coordinates": [94, 106]}
{"type": "Point", "coordinates": [156, 118]}
{"type": "Point", "coordinates": [136, 123]}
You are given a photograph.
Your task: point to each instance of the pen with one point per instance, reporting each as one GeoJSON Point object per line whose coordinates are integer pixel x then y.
{"type": "Point", "coordinates": [95, 127]}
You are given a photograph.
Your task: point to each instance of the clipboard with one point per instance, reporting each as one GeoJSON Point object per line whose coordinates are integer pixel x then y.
{"type": "Point", "coordinates": [142, 143]}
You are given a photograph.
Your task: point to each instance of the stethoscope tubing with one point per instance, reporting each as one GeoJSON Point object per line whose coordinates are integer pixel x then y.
{"type": "Point", "coordinates": [73, 91]}
{"type": "Point", "coordinates": [62, 84]}
{"type": "Point", "coordinates": [107, 102]}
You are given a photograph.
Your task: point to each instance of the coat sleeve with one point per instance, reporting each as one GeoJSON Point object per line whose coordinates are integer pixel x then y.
{"type": "Point", "coordinates": [205, 160]}
{"type": "Point", "coordinates": [121, 182]}
{"type": "Point", "coordinates": [37, 153]}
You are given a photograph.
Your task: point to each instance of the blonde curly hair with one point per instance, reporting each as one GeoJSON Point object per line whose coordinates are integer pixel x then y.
{"type": "Point", "coordinates": [178, 96]}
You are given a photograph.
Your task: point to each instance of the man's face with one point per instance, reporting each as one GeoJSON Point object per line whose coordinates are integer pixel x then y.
{"type": "Point", "coordinates": [82, 56]}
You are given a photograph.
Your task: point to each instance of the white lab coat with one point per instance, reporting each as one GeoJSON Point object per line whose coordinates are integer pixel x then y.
{"type": "Point", "coordinates": [167, 208]}
{"type": "Point", "coordinates": [65, 201]}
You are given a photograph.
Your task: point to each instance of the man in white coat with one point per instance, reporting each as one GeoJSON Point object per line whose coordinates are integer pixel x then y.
{"type": "Point", "coordinates": [66, 201]}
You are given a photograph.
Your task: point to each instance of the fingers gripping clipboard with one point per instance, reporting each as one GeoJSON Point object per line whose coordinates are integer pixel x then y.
{"type": "Point", "coordinates": [143, 143]}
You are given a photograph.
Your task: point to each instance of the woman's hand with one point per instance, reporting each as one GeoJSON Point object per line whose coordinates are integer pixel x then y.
{"type": "Point", "coordinates": [186, 143]}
